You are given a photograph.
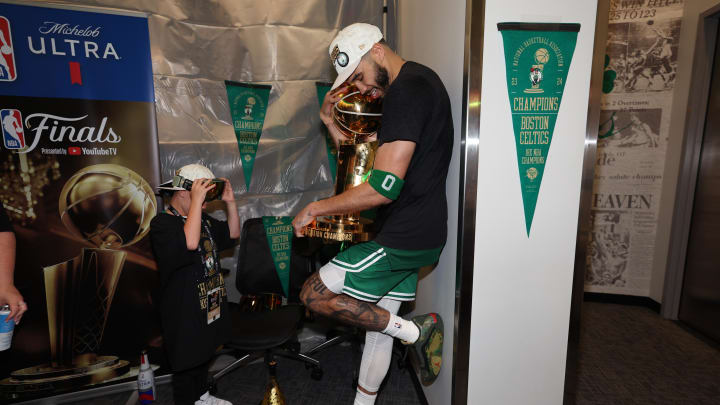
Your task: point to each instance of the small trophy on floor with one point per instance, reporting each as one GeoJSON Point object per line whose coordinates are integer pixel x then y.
{"type": "Point", "coordinates": [273, 395]}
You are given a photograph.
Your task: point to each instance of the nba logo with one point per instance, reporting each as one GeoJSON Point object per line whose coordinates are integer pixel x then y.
{"type": "Point", "coordinates": [12, 128]}
{"type": "Point", "coordinates": [8, 72]}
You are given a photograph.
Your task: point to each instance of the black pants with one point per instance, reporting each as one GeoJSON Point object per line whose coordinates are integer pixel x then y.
{"type": "Point", "coordinates": [190, 384]}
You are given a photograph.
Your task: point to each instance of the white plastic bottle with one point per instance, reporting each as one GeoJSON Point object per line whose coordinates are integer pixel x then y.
{"type": "Point", "coordinates": [6, 328]}
{"type": "Point", "coordinates": [146, 381]}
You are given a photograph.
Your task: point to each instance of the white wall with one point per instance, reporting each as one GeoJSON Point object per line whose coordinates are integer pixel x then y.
{"type": "Point", "coordinates": [686, 54]}
{"type": "Point", "coordinates": [522, 285]}
{"type": "Point", "coordinates": [432, 32]}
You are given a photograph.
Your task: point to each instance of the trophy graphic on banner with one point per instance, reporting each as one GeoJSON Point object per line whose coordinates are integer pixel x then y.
{"type": "Point", "coordinates": [109, 206]}
{"type": "Point", "coordinates": [358, 117]}
{"type": "Point", "coordinates": [542, 56]}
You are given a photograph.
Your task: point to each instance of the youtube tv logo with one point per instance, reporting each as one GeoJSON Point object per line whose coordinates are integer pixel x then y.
{"type": "Point", "coordinates": [74, 150]}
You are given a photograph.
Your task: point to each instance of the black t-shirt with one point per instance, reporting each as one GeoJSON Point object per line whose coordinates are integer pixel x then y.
{"type": "Point", "coordinates": [188, 339]}
{"type": "Point", "coordinates": [417, 108]}
{"type": "Point", "coordinates": [5, 225]}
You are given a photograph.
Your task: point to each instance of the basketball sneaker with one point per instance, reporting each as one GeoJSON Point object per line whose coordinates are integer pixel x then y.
{"type": "Point", "coordinates": [429, 346]}
{"type": "Point", "coordinates": [207, 399]}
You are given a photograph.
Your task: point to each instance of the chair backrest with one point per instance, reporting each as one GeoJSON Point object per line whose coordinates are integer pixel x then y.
{"type": "Point", "coordinates": [256, 272]}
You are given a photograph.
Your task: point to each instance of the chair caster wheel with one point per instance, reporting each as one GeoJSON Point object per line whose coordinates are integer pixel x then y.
{"type": "Point", "coordinates": [316, 373]}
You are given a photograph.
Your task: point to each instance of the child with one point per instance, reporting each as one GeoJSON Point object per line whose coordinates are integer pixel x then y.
{"type": "Point", "coordinates": [193, 306]}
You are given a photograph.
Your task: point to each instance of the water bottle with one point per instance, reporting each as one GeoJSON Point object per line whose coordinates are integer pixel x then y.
{"type": "Point", "coordinates": [146, 381]}
{"type": "Point", "coordinates": [6, 328]}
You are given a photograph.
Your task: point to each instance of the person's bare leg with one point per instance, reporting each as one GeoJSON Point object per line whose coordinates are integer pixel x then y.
{"type": "Point", "coordinates": [423, 331]}
{"type": "Point", "coordinates": [319, 299]}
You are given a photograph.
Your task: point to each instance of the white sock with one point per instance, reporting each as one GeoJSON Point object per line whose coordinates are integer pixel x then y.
{"type": "Point", "coordinates": [402, 329]}
{"type": "Point", "coordinates": [362, 398]}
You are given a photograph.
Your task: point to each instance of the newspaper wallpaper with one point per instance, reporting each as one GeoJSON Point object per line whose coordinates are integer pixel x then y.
{"type": "Point", "coordinates": [640, 66]}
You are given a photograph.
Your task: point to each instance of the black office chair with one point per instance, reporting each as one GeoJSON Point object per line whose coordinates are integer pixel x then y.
{"type": "Point", "coordinates": [257, 330]}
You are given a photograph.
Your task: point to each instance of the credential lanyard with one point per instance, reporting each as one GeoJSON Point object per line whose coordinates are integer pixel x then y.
{"type": "Point", "coordinates": [200, 248]}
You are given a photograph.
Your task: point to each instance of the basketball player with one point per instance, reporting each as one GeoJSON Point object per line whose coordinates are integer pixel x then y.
{"type": "Point", "coordinates": [641, 134]}
{"type": "Point", "coordinates": [365, 284]}
{"type": "Point", "coordinates": [637, 65]}
{"type": "Point", "coordinates": [665, 56]}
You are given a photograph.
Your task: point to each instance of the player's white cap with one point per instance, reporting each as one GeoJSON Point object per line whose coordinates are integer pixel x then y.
{"type": "Point", "coordinates": [349, 46]}
{"type": "Point", "coordinates": [190, 172]}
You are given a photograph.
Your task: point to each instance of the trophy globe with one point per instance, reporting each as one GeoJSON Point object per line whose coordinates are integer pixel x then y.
{"type": "Point", "coordinates": [108, 205]}
{"type": "Point", "coordinates": [357, 116]}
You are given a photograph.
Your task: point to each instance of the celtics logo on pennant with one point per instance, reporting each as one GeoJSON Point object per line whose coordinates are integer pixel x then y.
{"type": "Point", "coordinates": [537, 59]}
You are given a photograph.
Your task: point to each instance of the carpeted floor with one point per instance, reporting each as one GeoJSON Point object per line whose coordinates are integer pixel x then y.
{"type": "Point", "coordinates": [246, 385]}
{"type": "Point", "coordinates": [630, 355]}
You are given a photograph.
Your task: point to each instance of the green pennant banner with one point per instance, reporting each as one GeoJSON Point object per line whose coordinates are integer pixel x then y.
{"type": "Point", "coordinates": [279, 232]}
{"type": "Point", "coordinates": [248, 105]}
{"type": "Point", "coordinates": [537, 59]}
{"type": "Point", "coordinates": [322, 89]}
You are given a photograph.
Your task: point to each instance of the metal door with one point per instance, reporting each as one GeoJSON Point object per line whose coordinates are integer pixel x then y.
{"type": "Point", "coordinates": [700, 302]}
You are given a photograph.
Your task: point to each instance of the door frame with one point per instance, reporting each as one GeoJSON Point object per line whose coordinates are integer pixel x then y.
{"type": "Point", "coordinates": [706, 40]}
{"type": "Point", "coordinates": [584, 224]}
{"type": "Point", "coordinates": [469, 152]}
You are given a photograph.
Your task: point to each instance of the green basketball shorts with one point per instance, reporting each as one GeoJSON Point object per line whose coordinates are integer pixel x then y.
{"type": "Point", "coordinates": [369, 271]}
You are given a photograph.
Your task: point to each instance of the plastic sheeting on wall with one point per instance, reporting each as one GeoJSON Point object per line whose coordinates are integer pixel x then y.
{"type": "Point", "coordinates": [196, 45]}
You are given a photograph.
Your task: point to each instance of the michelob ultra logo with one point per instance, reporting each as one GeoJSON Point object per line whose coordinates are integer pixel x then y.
{"type": "Point", "coordinates": [73, 54]}
{"type": "Point", "coordinates": [74, 41]}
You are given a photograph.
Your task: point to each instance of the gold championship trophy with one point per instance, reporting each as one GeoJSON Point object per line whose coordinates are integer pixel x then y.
{"type": "Point", "coordinates": [109, 206]}
{"type": "Point", "coordinates": [358, 117]}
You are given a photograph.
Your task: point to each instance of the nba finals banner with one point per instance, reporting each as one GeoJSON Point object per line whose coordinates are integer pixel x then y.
{"type": "Point", "coordinates": [248, 105]}
{"type": "Point", "coordinates": [322, 89]}
{"type": "Point", "coordinates": [537, 59]}
{"type": "Point", "coordinates": [279, 233]}
{"type": "Point", "coordinates": [78, 165]}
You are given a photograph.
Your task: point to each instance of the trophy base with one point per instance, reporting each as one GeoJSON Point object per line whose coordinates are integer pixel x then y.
{"type": "Point", "coordinates": [45, 380]}
{"type": "Point", "coordinates": [81, 366]}
{"type": "Point", "coordinates": [340, 230]}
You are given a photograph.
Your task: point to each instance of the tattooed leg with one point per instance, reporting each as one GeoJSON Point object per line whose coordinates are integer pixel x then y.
{"type": "Point", "coordinates": [318, 298]}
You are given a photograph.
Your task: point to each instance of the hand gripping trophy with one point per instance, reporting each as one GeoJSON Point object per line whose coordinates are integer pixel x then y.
{"type": "Point", "coordinates": [358, 117]}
